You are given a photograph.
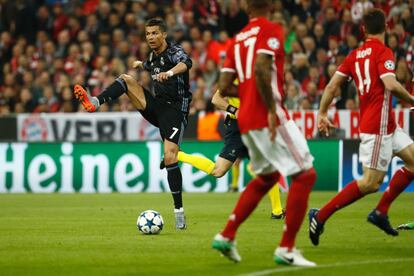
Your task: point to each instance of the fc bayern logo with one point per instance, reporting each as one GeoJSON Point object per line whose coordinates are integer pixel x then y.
{"type": "Point", "coordinates": [389, 65]}
{"type": "Point", "coordinates": [33, 128]}
{"type": "Point", "coordinates": [273, 43]}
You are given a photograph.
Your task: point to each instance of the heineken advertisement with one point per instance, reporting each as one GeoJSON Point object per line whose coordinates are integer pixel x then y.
{"type": "Point", "coordinates": [126, 167]}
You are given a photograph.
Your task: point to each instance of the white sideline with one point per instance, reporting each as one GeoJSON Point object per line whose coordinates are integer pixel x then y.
{"type": "Point", "coordinates": [296, 268]}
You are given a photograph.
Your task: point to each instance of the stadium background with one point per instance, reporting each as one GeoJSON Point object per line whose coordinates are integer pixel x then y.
{"type": "Point", "coordinates": [48, 46]}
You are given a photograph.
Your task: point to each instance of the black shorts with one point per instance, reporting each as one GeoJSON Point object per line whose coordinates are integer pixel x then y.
{"type": "Point", "coordinates": [233, 145]}
{"type": "Point", "coordinates": [170, 121]}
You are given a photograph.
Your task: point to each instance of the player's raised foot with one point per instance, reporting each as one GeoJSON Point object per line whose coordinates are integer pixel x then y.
{"type": "Point", "coordinates": [406, 226]}
{"type": "Point", "coordinates": [285, 256]}
{"type": "Point", "coordinates": [226, 247]}
{"type": "Point", "coordinates": [382, 222]}
{"type": "Point", "coordinates": [281, 215]}
{"type": "Point", "coordinates": [315, 227]}
{"type": "Point", "coordinates": [90, 104]}
{"type": "Point", "coordinates": [233, 189]}
{"type": "Point", "coordinates": [180, 219]}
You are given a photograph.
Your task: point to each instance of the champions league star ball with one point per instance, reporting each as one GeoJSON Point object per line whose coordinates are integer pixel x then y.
{"type": "Point", "coordinates": [150, 222]}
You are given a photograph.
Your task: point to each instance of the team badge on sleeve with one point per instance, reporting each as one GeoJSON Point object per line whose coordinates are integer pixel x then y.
{"type": "Point", "coordinates": [389, 65]}
{"type": "Point", "coordinates": [273, 43]}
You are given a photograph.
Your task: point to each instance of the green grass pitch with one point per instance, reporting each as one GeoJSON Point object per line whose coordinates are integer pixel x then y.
{"type": "Point", "coordinates": [77, 234]}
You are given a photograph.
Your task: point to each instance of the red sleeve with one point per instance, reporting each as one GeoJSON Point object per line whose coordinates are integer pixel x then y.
{"type": "Point", "coordinates": [386, 65]}
{"type": "Point", "coordinates": [345, 68]}
{"type": "Point", "coordinates": [270, 40]}
{"type": "Point", "coordinates": [229, 64]}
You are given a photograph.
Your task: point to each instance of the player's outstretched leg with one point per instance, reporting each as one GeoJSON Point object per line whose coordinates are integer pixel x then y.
{"type": "Point", "coordinates": [296, 205]}
{"type": "Point", "coordinates": [317, 218]}
{"type": "Point", "coordinates": [90, 104]}
{"type": "Point", "coordinates": [248, 200]}
{"type": "Point", "coordinates": [112, 92]}
{"type": "Point", "coordinates": [202, 163]}
{"type": "Point", "coordinates": [382, 222]}
{"type": "Point", "coordinates": [315, 227]}
{"type": "Point", "coordinates": [227, 248]}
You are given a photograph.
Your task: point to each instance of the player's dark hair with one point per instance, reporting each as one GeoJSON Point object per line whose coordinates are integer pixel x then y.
{"type": "Point", "coordinates": [258, 4]}
{"type": "Point", "coordinates": [156, 22]}
{"type": "Point", "coordinates": [374, 21]}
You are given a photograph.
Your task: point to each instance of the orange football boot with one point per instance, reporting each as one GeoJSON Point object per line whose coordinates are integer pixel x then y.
{"type": "Point", "coordinates": [82, 96]}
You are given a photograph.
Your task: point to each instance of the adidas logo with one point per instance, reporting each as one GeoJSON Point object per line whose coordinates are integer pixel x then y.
{"type": "Point", "coordinates": [313, 225]}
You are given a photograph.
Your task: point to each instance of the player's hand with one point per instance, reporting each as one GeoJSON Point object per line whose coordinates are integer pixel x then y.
{"type": "Point", "coordinates": [163, 76]}
{"type": "Point", "coordinates": [138, 64]}
{"type": "Point", "coordinates": [272, 123]}
{"type": "Point", "coordinates": [324, 124]}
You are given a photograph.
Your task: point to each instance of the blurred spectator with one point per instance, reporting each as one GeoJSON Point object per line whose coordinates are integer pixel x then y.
{"type": "Point", "coordinates": [235, 18]}
{"type": "Point", "coordinates": [48, 46]}
{"type": "Point", "coordinates": [207, 14]}
{"type": "Point", "coordinates": [393, 43]}
{"type": "Point", "coordinates": [292, 97]}
{"type": "Point", "coordinates": [210, 76]}
{"type": "Point", "coordinates": [331, 26]}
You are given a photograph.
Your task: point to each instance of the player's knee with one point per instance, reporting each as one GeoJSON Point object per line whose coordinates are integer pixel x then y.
{"type": "Point", "coordinates": [307, 177]}
{"type": "Point", "coordinates": [409, 163]}
{"type": "Point", "coordinates": [170, 157]}
{"type": "Point", "coordinates": [271, 178]}
{"type": "Point", "coordinates": [369, 186]}
{"type": "Point", "coordinates": [127, 79]}
{"type": "Point", "coordinates": [218, 172]}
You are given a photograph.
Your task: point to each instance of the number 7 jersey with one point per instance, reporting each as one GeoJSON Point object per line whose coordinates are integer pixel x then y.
{"type": "Point", "coordinates": [260, 36]}
{"type": "Point", "coordinates": [367, 65]}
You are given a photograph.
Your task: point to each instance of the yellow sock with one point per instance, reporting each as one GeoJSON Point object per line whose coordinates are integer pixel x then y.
{"type": "Point", "coordinates": [274, 195]}
{"type": "Point", "coordinates": [235, 172]}
{"type": "Point", "coordinates": [202, 163]}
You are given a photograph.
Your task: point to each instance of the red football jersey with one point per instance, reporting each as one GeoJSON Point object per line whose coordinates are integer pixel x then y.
{"type": "Point", "coordinates": [260, 36]}
{"type": "Point", "coordinates": [367, 65]}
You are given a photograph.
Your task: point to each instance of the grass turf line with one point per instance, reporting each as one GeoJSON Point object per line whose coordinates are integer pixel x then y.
{"type": "Point", "coordinates": [77, 234]}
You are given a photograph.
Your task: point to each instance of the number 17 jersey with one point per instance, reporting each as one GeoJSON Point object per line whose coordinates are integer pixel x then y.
{"type": "Point", "coordinates": [367, 65]}
{"type": "Point", "coordinates": [260, 36]}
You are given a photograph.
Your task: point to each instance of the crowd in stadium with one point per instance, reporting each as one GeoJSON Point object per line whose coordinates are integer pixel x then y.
{"type": "Point", "coordinates": [48, 46]}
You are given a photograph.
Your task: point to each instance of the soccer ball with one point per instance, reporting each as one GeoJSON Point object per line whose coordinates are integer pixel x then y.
{"type": "Point", "coordinates": [150, 222]}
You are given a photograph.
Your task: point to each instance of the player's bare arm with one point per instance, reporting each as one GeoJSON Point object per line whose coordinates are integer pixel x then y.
{"type": "Point", "coordinates": [219, 101]}
{"type": "Point", "coordinates": [262, 71]}
{"type": "Point", "coordinates": [391, 84]}
{"type": "Point", "coordinates": [328, 94]}
{"type": "Point", "coordinates": [225, 83]}
{"type": "Point", "coordinates": [181, 67]}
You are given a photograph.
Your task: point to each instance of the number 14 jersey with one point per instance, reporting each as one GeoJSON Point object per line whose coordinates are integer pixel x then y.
{"type": "Point", "coordinates": [367, 65]}
{"type": "Point", "coordinates": [260, 36]}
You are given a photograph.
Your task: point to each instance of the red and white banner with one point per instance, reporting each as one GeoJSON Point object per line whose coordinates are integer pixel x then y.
{"type": "Point", "coordinates": [344, 119]}
{"type": "Point", "coordinates": [125, 126]}
{"type": "Point", "coordinates": [111, 126]}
